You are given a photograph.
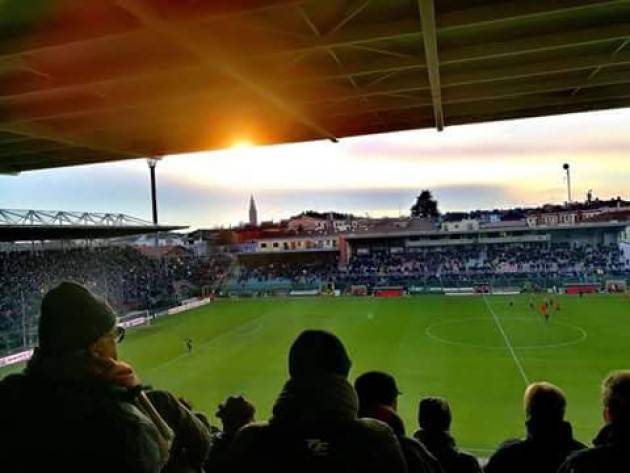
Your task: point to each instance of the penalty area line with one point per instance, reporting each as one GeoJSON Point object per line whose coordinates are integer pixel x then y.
{"type": "Point", "coordinates": [507, 341]}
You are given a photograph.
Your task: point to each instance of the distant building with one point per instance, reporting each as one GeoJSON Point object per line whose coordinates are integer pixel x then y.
{"type": "Point", "coordinates": [308, 243]}
{"type": "Point", "coordinates": [467, 224]}
{"type": "Point", "coordinates": [253, 213]}
{"type": "Point", "coordinates": [305, 223]}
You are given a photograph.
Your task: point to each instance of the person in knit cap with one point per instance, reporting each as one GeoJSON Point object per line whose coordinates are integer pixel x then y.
{"type": "Point", "coordinates": [76, 407]}
{"type": "Point", "coordinates": [315, 424]}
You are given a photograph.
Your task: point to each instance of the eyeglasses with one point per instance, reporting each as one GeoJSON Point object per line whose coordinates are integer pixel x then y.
{"type": "Point", "coordinates": [119, 334]}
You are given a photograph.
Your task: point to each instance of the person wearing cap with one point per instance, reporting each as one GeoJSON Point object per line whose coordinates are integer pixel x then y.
{"type": "Point", "coordinates": [434, 418]}
{"type": "Point", "coordinates": [378, 399]}
{"type": "Point", "coordinates": [76, 407]}
{"type": "Point", "coordinates": [549, 437]}
{"type": "Point", "coordinates": [315, 424]}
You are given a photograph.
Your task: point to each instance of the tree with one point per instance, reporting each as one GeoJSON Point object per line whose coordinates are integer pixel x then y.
{"type": "Point", "coordinates": [425, 206]}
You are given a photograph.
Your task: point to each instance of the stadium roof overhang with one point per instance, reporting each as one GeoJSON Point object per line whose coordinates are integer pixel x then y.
{"type": "Point", "coordinates": [35, 225]}
{"type": "Point", "coordinates": [369, 235]}
{"type": "Point", "coordinates": [10, 233]}
{"type": "Point", "coordinates": [101, 80]}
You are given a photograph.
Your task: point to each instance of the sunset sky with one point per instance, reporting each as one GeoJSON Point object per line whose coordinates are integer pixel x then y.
{"type": "Point", "coordinates": [492, 165]}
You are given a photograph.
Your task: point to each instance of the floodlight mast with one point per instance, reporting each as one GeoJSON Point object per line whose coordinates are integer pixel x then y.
{"type": "Point", "coordinates": [567, 168]}
{"type": "Point", "coordinates": [152, 162]}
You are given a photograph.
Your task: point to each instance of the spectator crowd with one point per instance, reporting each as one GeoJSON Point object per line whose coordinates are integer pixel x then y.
{"type": "Point", "coordinates": [77, 407]}
{"type": "Point", "coordinates": [122, 274]}
{"type": "Point", "coordinates": [450, 266]}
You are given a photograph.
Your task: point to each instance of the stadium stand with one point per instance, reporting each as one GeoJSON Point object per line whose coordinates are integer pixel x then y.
{"type": "Point", "coordinates": [541, 264]}
{"type": "Point", "coordinates": [121, 274]}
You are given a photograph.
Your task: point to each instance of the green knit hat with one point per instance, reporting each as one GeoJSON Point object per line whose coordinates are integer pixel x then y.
{"type": "Point", "coordinates": [72, 318]}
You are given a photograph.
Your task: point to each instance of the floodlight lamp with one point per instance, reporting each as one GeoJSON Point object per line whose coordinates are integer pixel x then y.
{"type": "Point", "coordinates": [152, 162]}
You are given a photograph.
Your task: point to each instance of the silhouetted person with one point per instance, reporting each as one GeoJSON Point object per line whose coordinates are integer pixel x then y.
{"type": "Point", "coordinates": [611, 451]}
{"type": "Point", "coordinates": [434, 418]}
{"type": "Point", "coordinates": [234, 413]}
{"type": "Point", "coordinates": [315, 427]}
{"type": "Point", "coordinates": [378, 399]}
{"type": "Point", "coordinates": [549, 437]}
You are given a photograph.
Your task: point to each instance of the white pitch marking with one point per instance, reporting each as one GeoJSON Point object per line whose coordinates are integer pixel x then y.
{"type": "Point", "coordinates": [507, 341]}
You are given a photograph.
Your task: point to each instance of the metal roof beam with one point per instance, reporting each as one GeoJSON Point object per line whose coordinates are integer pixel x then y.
{"type": "Point", "coordinates": [214, 60]}
{"type": "Point", "coordinates": [359, 38]}
{"type": "Point", "coordinates": [531, 67]}
{"type": "Point", "coordinates": [429, 39]}
{"type": "Point", "coordinates": [269, 5]}
{"type": "Point", "coordinates": [31, 131]}
{"type": "Point", "coordinates": [495, 98]}
{"type": "Point", "coordinates": [601, 66]}
{"type": "Point", "coordinates": [449, 21]}
{"type": "Point", "coordinates": [515, 11]}
{"type": "Point", "coordinates": [535, 43]}
{"type": "Point", "coordinates": [526, 70]}
{"type": "Point", "coordinates": [331, 52]}
{"type": "Point", "coordinates": [471, 94]}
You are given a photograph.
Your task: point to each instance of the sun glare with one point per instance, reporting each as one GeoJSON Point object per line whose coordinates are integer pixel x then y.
{"type": "Point", "coordinates": [242, 144]}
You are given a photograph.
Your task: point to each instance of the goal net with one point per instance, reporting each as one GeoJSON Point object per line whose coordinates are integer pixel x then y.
{"type": "Point", "coordinates": [136, 318]}
{"type": "Point", "coordinates": [359, 290]}
{"type": "Point", "coordinates": [616, 285]}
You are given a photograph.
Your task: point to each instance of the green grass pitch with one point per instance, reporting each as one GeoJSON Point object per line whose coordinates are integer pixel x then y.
{"type": "Point", "coordinates": [476, 352]}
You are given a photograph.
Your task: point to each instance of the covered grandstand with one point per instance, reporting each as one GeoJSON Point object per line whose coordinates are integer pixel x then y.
{"type": "Point", "coordinates": [85, 82]}
{"type": "Point", "coordinates": [46, 225]}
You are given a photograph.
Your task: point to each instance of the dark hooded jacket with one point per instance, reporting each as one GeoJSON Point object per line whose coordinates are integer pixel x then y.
{"type": "Point", "coordinates": [610, 454]}
{"type": "Point", "coordinates": [442, 446]}
{"type": "Point", "coordinates": [56, 416]}
{"type": "Point", "coordinates": [418, 458]}
{"type": "Point", "coordinates": [543, 451]}
{"type": "Point", "coordinates": [315, 428]}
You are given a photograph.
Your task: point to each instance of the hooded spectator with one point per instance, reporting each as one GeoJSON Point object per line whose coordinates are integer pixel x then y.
{"type": "Point", "coordinates": [549, 438]}
{"type": "Point", "coordinates": [611, 451]}
{"type": "Point", "coordinates": [434, 418]}
{"type": "Point", "coordinates": [378, 399]}
{"type": "Point", "coordinates": [315, 426]}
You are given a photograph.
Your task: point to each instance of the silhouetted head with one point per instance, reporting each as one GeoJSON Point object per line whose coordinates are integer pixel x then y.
{"type": "Point", "coordinates": [73, 318]}
{"type": "Point", "coordinates": [544, 401]}
{"type": "Point", "coordinates": [376, 387]}
{"type": "Point", "coordinates": [234, 413]}
{"type": "Point", "coordinates": [616, 397]}
{"type": "Point", "coordinates": [434, 413]}
{"type": "Point", "coordinates": [316, 352]}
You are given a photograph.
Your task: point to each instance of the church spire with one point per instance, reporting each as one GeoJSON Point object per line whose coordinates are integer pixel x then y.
{"type": "Point", "coordinates": [253, 213]}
